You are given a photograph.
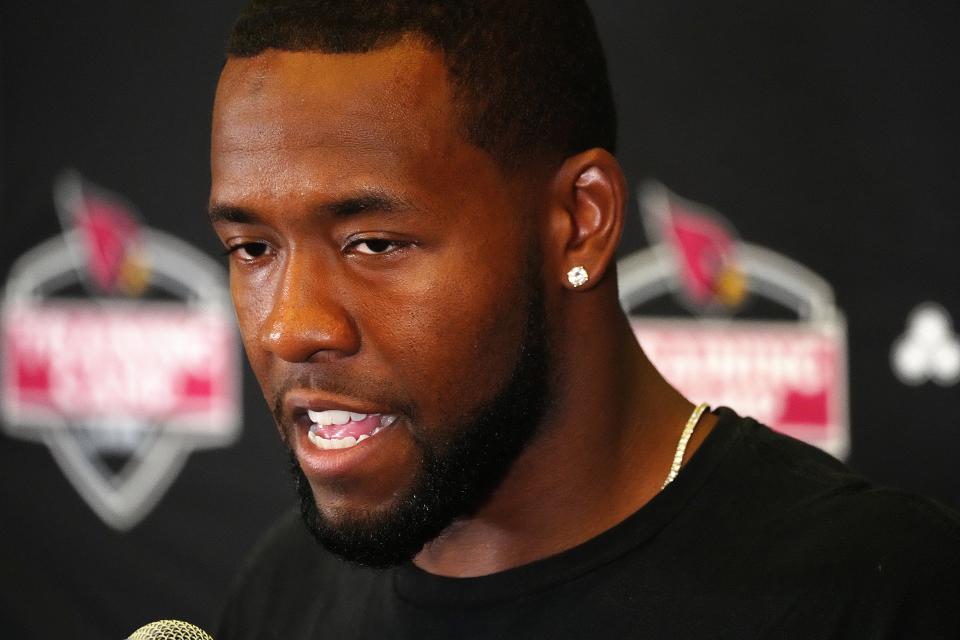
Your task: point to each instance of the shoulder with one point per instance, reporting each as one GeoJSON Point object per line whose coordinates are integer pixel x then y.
{"type": "Point", "coordinates": [269, 598]}
{"type": "Point", "coordinates": [265, 571]}
{"type": "Point", "coordinates": [797, 481]}
{"type": "Point", "coordinates": [287, 542]}
{"type": "Point", "coordinates": [782, 482]}
{"type": "Point", "coordinates": [833, 544]}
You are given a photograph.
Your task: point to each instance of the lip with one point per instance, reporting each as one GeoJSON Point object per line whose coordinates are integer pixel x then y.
{"type": "Point", "coordinates": [322, 465]}
{"type": "Point", "coordinates": [297, 403]}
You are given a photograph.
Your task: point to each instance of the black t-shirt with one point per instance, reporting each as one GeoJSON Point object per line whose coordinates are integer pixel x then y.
{"type": "Point", "coordinates": [760, 536]}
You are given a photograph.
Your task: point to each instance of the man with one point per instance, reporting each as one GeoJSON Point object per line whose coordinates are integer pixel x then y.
{"type": "Point", "coordinates": [421, 208]}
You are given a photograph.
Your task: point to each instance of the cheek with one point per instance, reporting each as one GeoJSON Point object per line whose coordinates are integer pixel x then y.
{"type": "Point", "coordinates": [454, 340]}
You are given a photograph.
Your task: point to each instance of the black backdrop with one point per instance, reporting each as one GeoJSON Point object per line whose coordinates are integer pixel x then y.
{"type": "Point", "coordinates": [828, 133]}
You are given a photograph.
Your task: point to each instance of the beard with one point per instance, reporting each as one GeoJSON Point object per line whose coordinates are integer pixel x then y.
{"type": "Point", "coordinates": [457, 475]}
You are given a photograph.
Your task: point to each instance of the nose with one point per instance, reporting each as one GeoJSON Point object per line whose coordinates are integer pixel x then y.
{"type": "Point", "coordinates": [308, 320]}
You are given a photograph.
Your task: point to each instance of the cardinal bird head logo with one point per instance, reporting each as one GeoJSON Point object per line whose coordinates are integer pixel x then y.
{"type": "Point", "coordinates": [112, 252]}
{"type": "Point", "coordinates": [703, 246]}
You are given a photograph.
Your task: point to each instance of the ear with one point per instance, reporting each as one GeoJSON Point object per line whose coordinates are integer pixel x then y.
{"type": "Point", "coordinates": [589, 195]}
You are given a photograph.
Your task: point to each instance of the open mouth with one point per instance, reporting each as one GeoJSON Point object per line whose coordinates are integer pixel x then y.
{"type": "Point", "coordinates": [335, 429]}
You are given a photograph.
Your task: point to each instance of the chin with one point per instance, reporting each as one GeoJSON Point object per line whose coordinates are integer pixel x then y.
{"type": "Point", "coordinates": [378, 536]}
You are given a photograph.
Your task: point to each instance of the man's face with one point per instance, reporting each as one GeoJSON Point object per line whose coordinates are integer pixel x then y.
{"type": "Point", "coordinates": [386, 279]}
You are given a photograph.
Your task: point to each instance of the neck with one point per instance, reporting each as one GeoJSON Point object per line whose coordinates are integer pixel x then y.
{"type": "Point", "coordinates": [603, 452]}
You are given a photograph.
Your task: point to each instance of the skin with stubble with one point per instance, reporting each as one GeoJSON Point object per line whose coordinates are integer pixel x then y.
{"type": "Point", "coordinates": [381, 264]}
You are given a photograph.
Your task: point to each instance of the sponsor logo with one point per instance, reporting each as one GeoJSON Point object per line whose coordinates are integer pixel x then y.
{"type": "Point", "coordinates": [694, 298]}
{"type": "Point", "coordinates": [119, 352]}
{"type": "Point", "coordinates": [929, 350]}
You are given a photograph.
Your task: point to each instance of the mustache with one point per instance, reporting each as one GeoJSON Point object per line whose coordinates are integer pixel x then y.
{"type": "Point", "coordinates": [375, 391]}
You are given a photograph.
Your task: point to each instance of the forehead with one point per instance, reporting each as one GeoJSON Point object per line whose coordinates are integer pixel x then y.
{"type": "Point", "coordinates": [394, 103]}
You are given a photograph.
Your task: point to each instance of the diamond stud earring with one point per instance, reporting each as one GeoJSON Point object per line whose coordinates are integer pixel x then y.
{"type": "Point", "coordinates": [578, 276]}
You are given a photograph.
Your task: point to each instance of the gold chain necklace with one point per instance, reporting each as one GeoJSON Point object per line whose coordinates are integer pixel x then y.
{"type": "Point", "coordinates": [682, 445]}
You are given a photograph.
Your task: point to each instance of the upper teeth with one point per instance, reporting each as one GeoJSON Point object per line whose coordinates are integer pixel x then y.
{"type": "Point", "coordinates": [333, 416]}
{"type": "Point", "coordinates": [325, 418]}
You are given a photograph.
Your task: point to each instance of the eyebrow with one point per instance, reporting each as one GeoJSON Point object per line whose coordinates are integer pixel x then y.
{"type": "Point", "coordinates": [345, 207]}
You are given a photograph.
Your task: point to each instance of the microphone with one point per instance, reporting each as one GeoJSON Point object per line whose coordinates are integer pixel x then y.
{"type": "Point", "coordinates": [169, 630]}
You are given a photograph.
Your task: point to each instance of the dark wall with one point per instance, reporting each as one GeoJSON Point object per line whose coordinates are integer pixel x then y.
{"type": "Point", "coordinates": [121, 92]}
{"type": "Point", "coordinates": [828, 134]}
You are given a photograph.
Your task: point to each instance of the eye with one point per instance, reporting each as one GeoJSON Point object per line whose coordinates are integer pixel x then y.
{"type": "Point", "coordinates": [247, 251]}
{"type": "Point", "coordinates": [376, 246]}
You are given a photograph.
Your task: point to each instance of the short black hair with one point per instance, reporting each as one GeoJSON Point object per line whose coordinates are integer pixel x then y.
{"type": "Point", "coordinates": [529, 76]}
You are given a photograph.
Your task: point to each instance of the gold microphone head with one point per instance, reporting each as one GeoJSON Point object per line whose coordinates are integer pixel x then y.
{"type": "Point", "coordinates": [170, 630]}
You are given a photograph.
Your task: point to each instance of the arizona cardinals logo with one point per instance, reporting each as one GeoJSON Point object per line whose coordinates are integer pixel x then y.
{"type": "Point", "coordinates": [790, 374]}
{"type": "Point", "coordinates": [118, 352]}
